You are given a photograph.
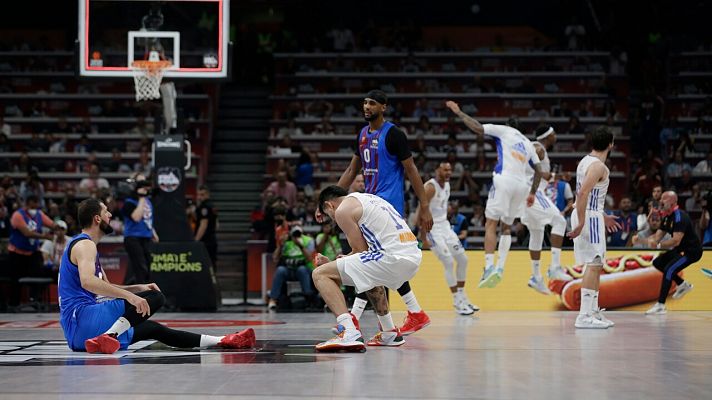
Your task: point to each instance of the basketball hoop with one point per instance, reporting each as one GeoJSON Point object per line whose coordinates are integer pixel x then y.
{"type": "Point", "coordinates": [147, 76]}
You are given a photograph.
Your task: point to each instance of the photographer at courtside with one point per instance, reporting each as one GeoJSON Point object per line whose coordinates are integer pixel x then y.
{"type": "Point", "coordinates": [138, 231]}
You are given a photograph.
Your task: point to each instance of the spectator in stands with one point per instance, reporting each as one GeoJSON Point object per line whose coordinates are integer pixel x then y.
{"type": "Point", "coordinates": [575, 125]}
{"type": "Point", "coordinates": [35, 144]}
{"type": "Point", "coordinates": [138, 232]}
{"type": "Point", "coordinates": [327, 242]}
{"type": "Point", "coordinates": [293, 259]}
{"type": "Point", "coordinates": [646, 179]}
{"type": "Point", "coordinates": [684, 184]}
{"type": "Point", "coordinates": [4, 148]}
{"type": "Point", "coordinates": [93, 182]}
{"type": "Point", "coordinates": [459, 222]}
{"type": "Point", "coordinates": [686, 144]}
{"type": "Point", "coordinates": [52, 249]}
{"type": "Point", "coordinates": [342, 39]}
{"type": "Point", "coordinates": [62, 126]}
{"type": "Point", "coordinates": [207, 224]}
{"type": "Point", "coordinates": [142, 127]}
{"type": "Point", "coordinates": [640, 239]}
{"type": "Point", "coordinates": [451, 145]}
{"type": "Point", "coordinates": [695, 201]}
{"type": "Point", "coordinates": [84, 145]}
{"type": "Point", "coordinates": [32, 186]}
{"type": "Point", "coordinates": [26, 232]}
{"type": "Point", "coordinates": [58, 144]}
{"type": "Point", "coordinates": [422, 108]}
{"type": "Point", "coordinates": [358, 185]}
{"type": "Point", "coordinates": [24, 163]}
{"type": "Point", "coordinates": [4, 215]}
{"type": "Point", "coordinates": [419, 146]}
{"type": "Point", "coordinates": [319, 108]}
{"type": "Point", "coordinates": [465, 182]}
{"type": "Point", "coordinates": [281, 187]}
{"type": "Point", "coordinates": [628, 221]}
{"type": "Point", "coordinates": [457, 167]}
{"type": "Point", "coordinates": [478, 216]}
{"type": "Point", "coordinates": [424, 127]}
{"type": "Point", "coordinates": [117, 163]}
{"type": "Point", "coordinates": [675, 168]}
{"type": "Point", "coordinates": [480, 143]}
{"type": "Point", "coordinates": [324, 127]}
{"type": "Point", "coordinates": [575, 35]}
{"type": "Point", "coordinates": [304, 173]}
{"type": "Point", "coordinates": [143, 165]}
{"type": "Point", "coordinates": [5, 128]}
{"type": "Point", "coordinates": [704, 166]}
{"type": "Point", "coordinates": [309, 212]}
{"type": "Point", "coordinates": [290, 130]}
{"type": "Point", "coordinates": [539, 111]}
{"type": "Point", "coordinates": [85, 127]}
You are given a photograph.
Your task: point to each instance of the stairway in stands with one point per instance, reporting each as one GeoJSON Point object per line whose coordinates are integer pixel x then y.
{"type": "Point", "coordinates": [237, 165]}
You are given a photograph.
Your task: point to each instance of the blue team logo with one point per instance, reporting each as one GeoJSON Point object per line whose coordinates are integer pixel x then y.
{"type": "Point", "coordinates": [519, 147]}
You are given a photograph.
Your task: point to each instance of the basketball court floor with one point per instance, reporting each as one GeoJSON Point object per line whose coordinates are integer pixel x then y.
{"type": "Point", "coordinates": [495, 355]}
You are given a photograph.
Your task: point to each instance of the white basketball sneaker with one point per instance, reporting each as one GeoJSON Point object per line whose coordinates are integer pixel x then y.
{"type": "Point", "coordinates": [657, 309]}
{"type": "Point", "coordinates": [349, 340]}
{"type": "Point", "coordinates": [598, 314]}
{"type": "Point", "coordinates": [558, 274]}
{"type": "Point", "coordinates": [467, 302]}
{"type": "Point", "coordinates": [588, 321]}
{"type": "Point", "coordinates": [462, 308]}
{"type": "Point", "coordinates": [537, 283]}
{"type": "Point", "coordinates": [682, 290]}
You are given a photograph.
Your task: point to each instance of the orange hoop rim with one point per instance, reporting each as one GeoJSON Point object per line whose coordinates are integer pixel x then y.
{"type": "Point", "coordinates": [151, 65]}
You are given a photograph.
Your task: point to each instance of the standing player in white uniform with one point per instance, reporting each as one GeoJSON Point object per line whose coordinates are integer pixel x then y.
{"type": "Point", "coordinates": [384, 252]}
{"type": "Point", "coordinates": [509, 190]}
{"type": "Point", "coordinates": [590, 223]}
{"type": "Point", "coordinates": [542, 213]}
{"type": "Point", "coordinates": [443, 240]}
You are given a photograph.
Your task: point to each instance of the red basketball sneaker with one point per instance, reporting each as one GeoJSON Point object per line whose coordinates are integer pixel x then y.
{"type": "Point", "coordinates": [104, 343]}
{"type": "Point", "coordinates": [240, 340]}
{"type": "Point", "coordinates": [414, 322]}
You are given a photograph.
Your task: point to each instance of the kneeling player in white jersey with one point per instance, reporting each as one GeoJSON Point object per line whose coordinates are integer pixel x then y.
{"type": "Point", "coordinates": [590, 223]}
{"type": "Point", "coordinates": [542, 213]}
{"type": "Point", "coordinates": [384, 253]}
{"type": "Point", "coordinates": [444, 242]}
{"type": "Point", "coordinates": [509, 188]}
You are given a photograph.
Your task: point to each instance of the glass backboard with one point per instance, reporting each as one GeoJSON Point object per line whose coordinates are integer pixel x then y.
{"type": "Point", "coordinates": [192, 34]}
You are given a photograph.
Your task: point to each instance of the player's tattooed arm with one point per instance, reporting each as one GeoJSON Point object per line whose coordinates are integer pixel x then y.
{"type": "Point", "coordinates": [470, 122]}
{"type": "Point", "coordinates": [537, 178]}
{"type": "Point", "coordinates": [377, 297]}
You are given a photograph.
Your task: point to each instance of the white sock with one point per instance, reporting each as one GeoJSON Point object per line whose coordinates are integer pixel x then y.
{"type": "Point", "coordinates": [489, 260]}
{"type": "Point", "coordinates": [358, 307]}
{"type": "Point", "coordinates": [120, 326]}
{"type": "Point", "coordinates": [346, 321]}
{"type": "Point", "coordinates": [411, 302]}
{"type": "Point", "coordinates": [594, 304]}
{"type": "Point", "coordinates": [535, 269]}
{"type": "Point", "coordinates": [505, 242]}
{"type": "Point", "coordinates": [457, 296]}
{"type": "Point", "coordinates": [555, 257]}
{"type": "Point", "coordinates": [210, 341]}
{"type": "Point", "coordinates": [587, 296]}
{"type": "Point", "coordinates": [386, 322]}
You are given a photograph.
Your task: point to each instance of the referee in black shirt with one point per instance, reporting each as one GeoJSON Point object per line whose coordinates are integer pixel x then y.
{"type": "Point", "coordinates": [684, 250]}
{"type": "Point", "coordinates": [207, 224]}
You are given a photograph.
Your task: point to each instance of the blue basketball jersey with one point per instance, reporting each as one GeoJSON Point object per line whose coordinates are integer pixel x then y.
{"type": "Point", "coordinates": [383, 173]}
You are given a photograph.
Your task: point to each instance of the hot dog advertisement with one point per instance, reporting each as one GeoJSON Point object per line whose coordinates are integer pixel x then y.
{"type": "Point", "coordinates": [628, 282]}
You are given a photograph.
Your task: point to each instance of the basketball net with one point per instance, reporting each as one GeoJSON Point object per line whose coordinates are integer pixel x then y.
{"type": "Point", "coordinates": [147, 76]}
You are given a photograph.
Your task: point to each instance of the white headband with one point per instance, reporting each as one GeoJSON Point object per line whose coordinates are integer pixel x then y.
{"type": "Point", "coordinates": [545, 134]}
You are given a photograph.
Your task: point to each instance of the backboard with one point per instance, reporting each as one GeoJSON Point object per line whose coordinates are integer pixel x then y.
{"type": "Point", "coordinates": [192, 34]}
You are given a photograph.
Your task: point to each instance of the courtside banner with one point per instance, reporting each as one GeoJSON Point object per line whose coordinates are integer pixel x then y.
{"type": "Point", "coordinates": [630, 282]}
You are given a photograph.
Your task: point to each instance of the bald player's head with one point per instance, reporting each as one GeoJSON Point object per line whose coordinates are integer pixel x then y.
{"type": "Point", "coordinates": [668, 201]}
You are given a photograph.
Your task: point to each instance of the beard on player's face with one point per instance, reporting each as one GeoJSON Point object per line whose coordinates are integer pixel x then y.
{"type": "Point", "coordinates": [372, 116]}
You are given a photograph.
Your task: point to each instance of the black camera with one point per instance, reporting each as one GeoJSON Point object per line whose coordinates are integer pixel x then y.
{"type": "Point", "coordinates": [129, 188]}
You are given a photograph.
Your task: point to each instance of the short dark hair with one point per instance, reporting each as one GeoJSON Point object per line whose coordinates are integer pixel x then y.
{"type": "Point", "coordinates": [87, 210]}
{"type": "Point", "coordinates": [32, 199]}
{"type": "Point", "coordinates": [329, 193]}
{"type": "Point", "coordinates": [601, 138]}
{"type": "Point", "coordinates": [513, 122]}
{"type": "Point", "coordinates": [204, 187]}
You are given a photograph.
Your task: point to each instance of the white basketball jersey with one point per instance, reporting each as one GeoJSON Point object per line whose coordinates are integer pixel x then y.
{"type": "Point", "coordinates": [545, 166]}
{"type": "Point", "coordinates": [438, 204]}
{"type": "Point", "coordinates": [514, 151]}
{"type": "Point", "coordinates": [597, 197]}
{"type": "Point", "coordinates": [383, 228]}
